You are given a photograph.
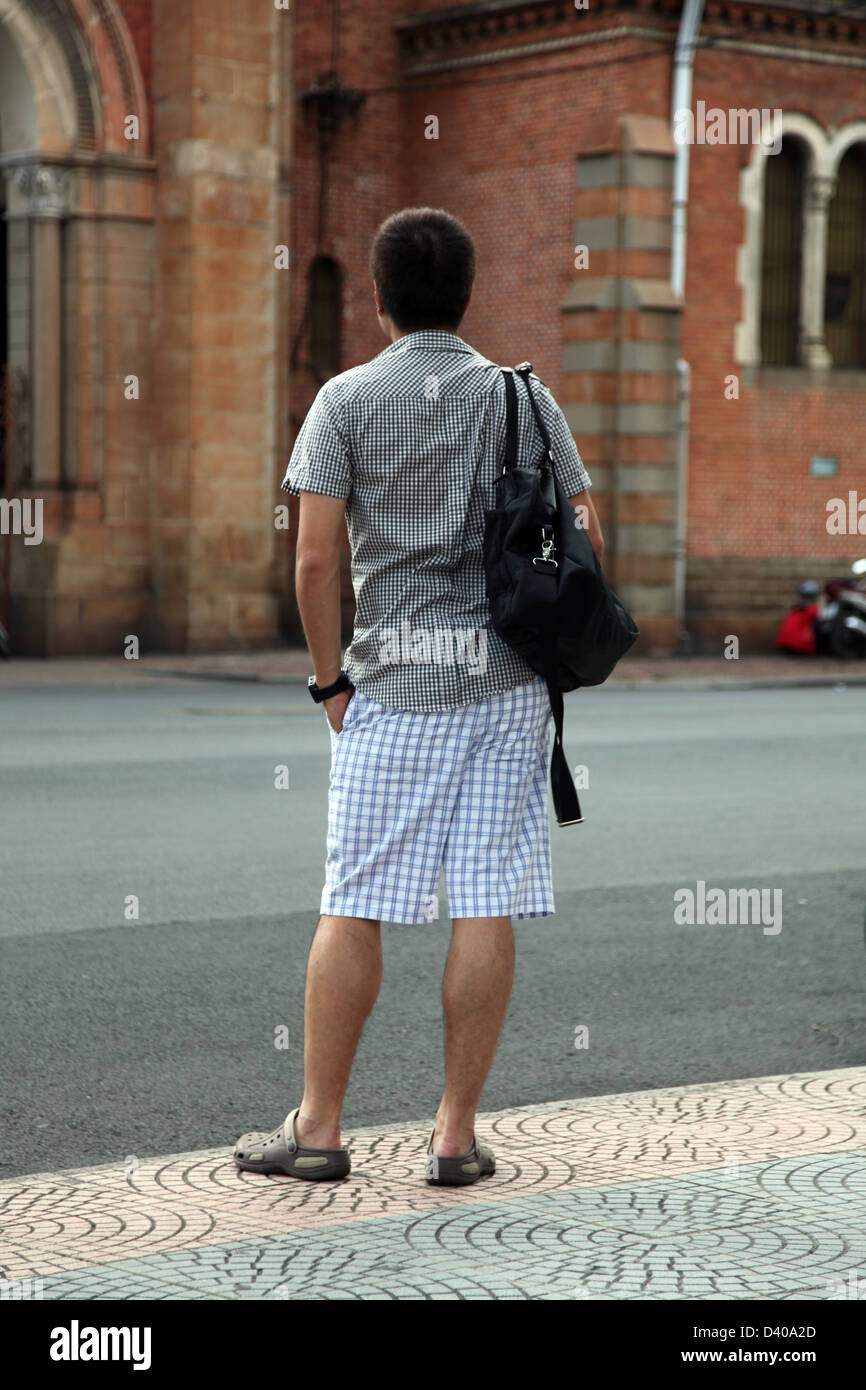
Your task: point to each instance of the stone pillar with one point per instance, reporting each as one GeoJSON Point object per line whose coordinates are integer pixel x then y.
{"type": "Point", "coordinates": [81, 313]}
{"type": "Point", "coordinates": [44, 202]}
{"type": "Point", "coordinates": [217, 94]}
{"type": "Point", "coordinates": [819, 190]}
{"type": "Point", "coordinates": [19, 329]}
{"type": "Point", "coordinates": [38, 202]}
{"type": "Point", "coordinates": [621, 340]}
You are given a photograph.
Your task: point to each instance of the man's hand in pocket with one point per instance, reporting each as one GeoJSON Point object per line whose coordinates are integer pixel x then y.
{"type": "Point", "coordinates": [335, 708]}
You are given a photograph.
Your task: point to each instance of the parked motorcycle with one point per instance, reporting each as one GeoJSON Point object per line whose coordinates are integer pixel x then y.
{"type": "Point", "coordinates": [840, 628]}
{"type": "Point", "coordinates": [835, 626]}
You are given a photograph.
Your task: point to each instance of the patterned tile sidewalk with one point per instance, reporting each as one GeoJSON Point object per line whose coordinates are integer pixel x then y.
{"type": "Point", "coordinates": [751, 1189]}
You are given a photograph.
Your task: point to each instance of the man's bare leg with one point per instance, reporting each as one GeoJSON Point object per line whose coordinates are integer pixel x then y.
{"type": "Point", "coordinates": [344, 972]}
{"type": "Point", "coordinates": [476, 988]}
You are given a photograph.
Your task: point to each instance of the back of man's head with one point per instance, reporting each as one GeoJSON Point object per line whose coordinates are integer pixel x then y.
{"type": "Point", "coordinates": [423, 263]}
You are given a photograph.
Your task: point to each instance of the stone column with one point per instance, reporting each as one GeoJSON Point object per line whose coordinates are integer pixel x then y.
{"type": "Point", "coordinates": [819, 190]}
{"type": "Point", "coordinates": [43, 200]}
{"type": "Point", "coordinates": [217, 95]}
{"type": "Point", "coordinates": [621, 334]}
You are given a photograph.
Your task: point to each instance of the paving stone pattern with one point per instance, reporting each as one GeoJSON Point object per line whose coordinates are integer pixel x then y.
{"type": "Point", "coordinates": [749, 1189]}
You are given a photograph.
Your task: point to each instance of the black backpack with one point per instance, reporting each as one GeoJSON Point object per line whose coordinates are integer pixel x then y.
{"type": "Point", "coordinates": [549, 599]}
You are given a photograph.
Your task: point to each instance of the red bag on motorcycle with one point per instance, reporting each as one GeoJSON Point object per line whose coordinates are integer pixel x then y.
{"type": "Point", "coordinates": [797, 633]}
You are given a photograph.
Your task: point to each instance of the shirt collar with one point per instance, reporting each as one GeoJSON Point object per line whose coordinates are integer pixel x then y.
{"type": "Point", "coordinates": [440, 338]}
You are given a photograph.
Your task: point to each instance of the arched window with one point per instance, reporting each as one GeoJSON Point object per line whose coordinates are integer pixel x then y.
{"type": "Point", "coordinates": [781, 254]}
{"type": "Point", "coordinates": [325, 315]}
{"type": "Point", "coordinates": [845, 285]}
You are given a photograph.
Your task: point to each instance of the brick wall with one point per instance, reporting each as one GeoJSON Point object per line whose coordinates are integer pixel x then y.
{"type": "Point", "coordinates": [748, 597]}
{"type": "Point", "coordinates": [366, 178]}
{"type": "Point", "coordinates": [750, 492]}
{"type": "Point", "coordinates": [510, 136]}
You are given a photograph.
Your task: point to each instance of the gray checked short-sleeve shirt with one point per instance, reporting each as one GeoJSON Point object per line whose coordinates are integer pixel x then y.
{"type": "Point", "coordinates": [414, 440]}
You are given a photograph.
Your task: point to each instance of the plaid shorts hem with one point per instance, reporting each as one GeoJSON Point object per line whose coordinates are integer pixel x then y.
{"type": "Point", "coordinates": [346, 904]}
{"type": "Point", "coordinates": [522, 914]}
{"type": "Point", "coordinates": [342, 902]}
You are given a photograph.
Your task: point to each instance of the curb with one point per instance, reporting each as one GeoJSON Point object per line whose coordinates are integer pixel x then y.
{"type": "Point", "coordinates": [648, 1095]}
{"type": "Point", "coordinates": [736, 683]}
{"type": "Point", "coordinates": [625, 683]}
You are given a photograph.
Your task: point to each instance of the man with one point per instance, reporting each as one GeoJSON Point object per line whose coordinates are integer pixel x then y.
{"type": "Point", "coordinates": [439, 731]}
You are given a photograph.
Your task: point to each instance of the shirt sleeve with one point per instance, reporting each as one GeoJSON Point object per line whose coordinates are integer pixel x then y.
{"type": "Point", "coordinates": [321, 458]}
{"type": "Point", "coordinates": [568, 465]}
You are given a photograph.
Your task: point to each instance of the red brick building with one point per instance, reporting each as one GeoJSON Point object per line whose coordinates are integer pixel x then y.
{"type": "Point", "coordinates": [709, 349]}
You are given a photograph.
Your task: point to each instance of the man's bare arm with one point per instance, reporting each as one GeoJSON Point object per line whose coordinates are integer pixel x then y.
{"type": "Point", "coordinates": [317, 580]}
{"type": "Point", "coordinates": [587, 516]}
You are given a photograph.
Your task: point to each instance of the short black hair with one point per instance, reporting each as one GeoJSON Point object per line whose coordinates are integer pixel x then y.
{"type": "Point", "coordinates": [423, 263]}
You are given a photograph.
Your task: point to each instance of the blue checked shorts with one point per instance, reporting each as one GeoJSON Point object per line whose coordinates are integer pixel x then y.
{"type": "Point", "coordinates": [461, 790]}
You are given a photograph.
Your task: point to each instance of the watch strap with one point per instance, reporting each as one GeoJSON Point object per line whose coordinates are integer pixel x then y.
{"type": "Point", "coordinates": [325, 692]}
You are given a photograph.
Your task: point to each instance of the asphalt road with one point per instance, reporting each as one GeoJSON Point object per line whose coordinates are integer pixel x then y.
{"type": "Point", "coordinates": [151, 1036]}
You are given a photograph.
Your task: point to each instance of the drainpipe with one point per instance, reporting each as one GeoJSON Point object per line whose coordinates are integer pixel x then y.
{"type": "Point", "coordinates": [681, 98]}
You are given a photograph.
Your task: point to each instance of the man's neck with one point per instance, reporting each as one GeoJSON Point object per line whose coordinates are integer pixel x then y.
{"type": "Point", "coordinates": [405, 332]}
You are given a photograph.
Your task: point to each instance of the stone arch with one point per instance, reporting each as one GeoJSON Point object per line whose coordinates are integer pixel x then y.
{"type": "Point", "coordinates": [812, 135]}
{"type": "Point", "coordinates": [34, 60]}
{"type": "Point", "coordinates": [842, 140]}
{"type": "Point", "coordinates": [83, 75]}
{"type": "Point", "coordinates": [128, 84]}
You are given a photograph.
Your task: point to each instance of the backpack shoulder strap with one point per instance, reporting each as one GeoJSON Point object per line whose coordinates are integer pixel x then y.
{"type": "Point", "coordinates": [510, 420]}
{"type": "Point", "coordinates": [523, 369]}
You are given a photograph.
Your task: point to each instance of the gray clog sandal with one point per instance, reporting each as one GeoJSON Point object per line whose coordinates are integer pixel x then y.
{"type": "Point", "coordinates": [280, 1152]}
{"type": "Point", "coordinates": [458, 1172]}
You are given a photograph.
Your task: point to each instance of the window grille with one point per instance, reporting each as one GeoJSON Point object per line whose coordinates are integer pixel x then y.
{"type": "Point", "coordinates": [782, 255]}
{"type": "Point", "coordinates": [844, 299]}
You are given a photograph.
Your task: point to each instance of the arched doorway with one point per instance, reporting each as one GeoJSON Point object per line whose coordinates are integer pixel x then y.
{"type": "Point", "coordinates": [69, 76]}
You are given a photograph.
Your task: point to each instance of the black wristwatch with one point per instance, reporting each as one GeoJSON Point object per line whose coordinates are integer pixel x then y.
{"type": "Point", "coordinates": [324, 692]}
